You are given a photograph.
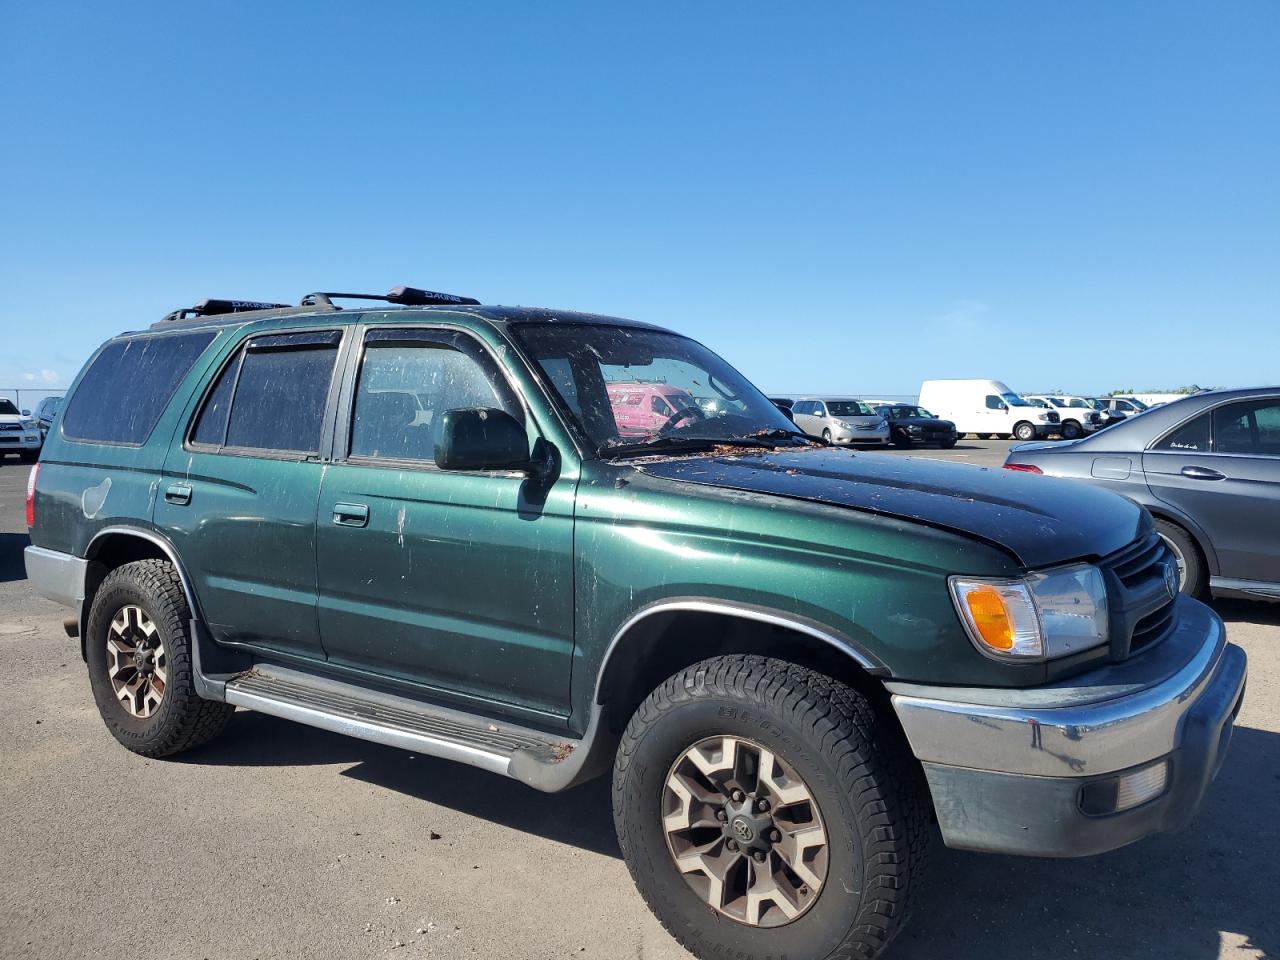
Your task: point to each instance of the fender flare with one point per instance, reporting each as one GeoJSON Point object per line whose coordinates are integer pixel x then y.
{"type": "Point", "coordinates": [743, 611]}
{"type": "Point", "coordinates": [156, 539]}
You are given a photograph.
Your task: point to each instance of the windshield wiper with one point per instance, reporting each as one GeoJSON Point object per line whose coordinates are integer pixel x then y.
{"type": "Point", "coordinates": [656, 445]}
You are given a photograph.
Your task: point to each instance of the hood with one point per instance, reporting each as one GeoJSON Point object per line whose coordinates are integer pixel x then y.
{"type": "Point", "coordinates": [924, 422]}
{"type": "Point", "coordinates": [1039, 520]}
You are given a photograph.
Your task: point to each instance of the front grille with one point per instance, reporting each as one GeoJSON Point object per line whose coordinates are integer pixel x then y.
{"type": "Point", "coordinates": [1138, 597]}
{"type": "Point", "coordinates": [11, 426]}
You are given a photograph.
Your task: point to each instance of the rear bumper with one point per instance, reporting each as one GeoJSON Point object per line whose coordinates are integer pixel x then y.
{"type": "Point", "coordinates": [1008, 769]}
{"type": "Point", "coordinates": [58, 576]}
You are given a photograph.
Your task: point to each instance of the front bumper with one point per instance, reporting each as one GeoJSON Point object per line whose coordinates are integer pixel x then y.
{"type": "Point", "coordinates": [1007, 767]}
{"type": "Point", "coordinates": [17, 441]}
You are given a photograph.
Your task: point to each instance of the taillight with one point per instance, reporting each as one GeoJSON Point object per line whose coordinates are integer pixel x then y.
{"type": "Point", "coordinates": [1023, 467]}
{"type": "Point", "coordinates": [31, 495]}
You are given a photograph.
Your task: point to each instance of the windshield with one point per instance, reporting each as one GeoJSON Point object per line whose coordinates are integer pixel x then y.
{"type": "Point", "coordinates": [8, 409]}
{"type": "Point", "coordinates": [903, 412]}
{"type": "Point", "coordinates": [1137, 404]}
{"type": "Point", "coordinates": [1095, 403]}
{"type": "Point", "coordinates": [625, 386]}
{"type": "Point", "coordinates": [1013, 400]}
{"type": "Point", "coordinates": [849, 408]}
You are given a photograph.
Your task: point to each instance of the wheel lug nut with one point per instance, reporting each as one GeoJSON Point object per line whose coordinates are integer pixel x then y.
{"type": "Point", "coordinates": [758, 856]}
{"type": "Point", "coordinates": [762, 806]}
{"type": "Point", "coordinates": [737, 796]}
{"type": "Point", "coordinates": [732, 845]}
{"type": "Point", "coordinates": [775, 836]}
{"type": "Point", "coordinates": [721, 816]}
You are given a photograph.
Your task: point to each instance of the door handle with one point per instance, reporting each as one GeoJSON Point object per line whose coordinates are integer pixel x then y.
{"type": "Point", "coordinates": [179, 493]}
{"type": "Point", "coordinates": [1202, 473]}
{"type": "Point", "coordinates": [351, 514]}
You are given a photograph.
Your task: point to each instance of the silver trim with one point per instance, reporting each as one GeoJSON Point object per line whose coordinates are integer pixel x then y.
{"type": "Point", "coordinates": [1067, 730]}
{"type": "Point", "coordinates": [57, 576]}
{"type": "Point", "coordinates": [734, 610]}
{"type": "Point", "coordinates": [376, 733]}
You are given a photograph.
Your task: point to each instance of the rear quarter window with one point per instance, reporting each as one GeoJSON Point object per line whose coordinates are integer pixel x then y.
{"type": "Point", "coordinates": [127, 386]}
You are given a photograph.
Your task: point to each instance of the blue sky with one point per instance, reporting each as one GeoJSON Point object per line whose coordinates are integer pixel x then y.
{"type": "Point", "coordinates": [838, 198]}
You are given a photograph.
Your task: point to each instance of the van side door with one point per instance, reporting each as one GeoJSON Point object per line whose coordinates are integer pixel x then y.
{"type": "Point", "coordinates": [238, 494]}
{"type": "Point", "coordinates": [459, 583]}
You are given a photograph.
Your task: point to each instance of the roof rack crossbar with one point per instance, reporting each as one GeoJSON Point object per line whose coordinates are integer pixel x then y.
{"type": "Point", "coordinates": [402, 296]}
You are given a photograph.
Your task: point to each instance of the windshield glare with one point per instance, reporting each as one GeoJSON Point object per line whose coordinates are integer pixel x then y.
{"type": "Point", "coordinates": [1013, 400]}
{"type": "Point", "coordinates": [849, 408]}
{"type": "Point", "coordinates": [628, 385]}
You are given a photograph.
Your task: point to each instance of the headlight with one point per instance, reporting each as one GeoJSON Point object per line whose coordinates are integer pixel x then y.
{"type": "Point", "coordinates": [915, 428]}
{"type": "Point", "coordinates": [1043, 615]}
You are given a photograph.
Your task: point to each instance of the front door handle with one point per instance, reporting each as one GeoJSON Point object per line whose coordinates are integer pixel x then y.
{"type": "Point", "coordinates": [1202, 473]}
{"type": "Point", "coordinates": [351, 514]}
{"type": "Point", "coordinates": [179, 493]}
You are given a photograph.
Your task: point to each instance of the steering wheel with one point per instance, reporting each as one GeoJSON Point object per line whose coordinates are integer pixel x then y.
{"type": "Point", "coordinates": [678, 417]}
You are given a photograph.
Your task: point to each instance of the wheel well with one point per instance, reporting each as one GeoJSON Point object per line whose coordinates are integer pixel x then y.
{"type": "Point", "coordinates": [1195, 537]}
{"type": "Point", "coordinates": [106, 554]}
{"type": "Point", "coordinates": [664, 643]}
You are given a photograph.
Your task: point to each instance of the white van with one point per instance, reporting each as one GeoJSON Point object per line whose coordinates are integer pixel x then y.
{"type": "Point", "coordinates": [987, 408]}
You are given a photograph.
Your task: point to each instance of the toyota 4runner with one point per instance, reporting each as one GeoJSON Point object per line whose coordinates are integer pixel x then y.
{"type": "Point", "coordinates": [421, 522]}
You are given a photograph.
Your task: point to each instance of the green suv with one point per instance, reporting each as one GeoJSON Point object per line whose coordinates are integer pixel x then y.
{"type": "Point", "coordinates": [439, 525]}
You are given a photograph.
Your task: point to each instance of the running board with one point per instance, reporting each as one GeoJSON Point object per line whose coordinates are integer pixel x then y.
{"type": "Point", "coordinates": [539, 759]}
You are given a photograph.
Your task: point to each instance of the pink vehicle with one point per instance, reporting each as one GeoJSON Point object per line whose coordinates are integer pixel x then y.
{"type": "Point", "coordinates": [642, 409]}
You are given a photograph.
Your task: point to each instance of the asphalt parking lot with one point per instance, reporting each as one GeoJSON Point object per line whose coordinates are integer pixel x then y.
{"type": "Point", "coordinates": [282, 841]}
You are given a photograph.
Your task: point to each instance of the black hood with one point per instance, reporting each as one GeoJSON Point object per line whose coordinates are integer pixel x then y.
{"type": "Point", "coordinates": [1040, 520]}
{"type": "Point", "coordinates": [933, 422]}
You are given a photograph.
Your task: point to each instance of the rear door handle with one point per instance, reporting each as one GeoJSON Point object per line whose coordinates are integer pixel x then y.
{"type": "Point", "coordinates": [351, 514]}
{"type": "Point", "coordinates": [179, 493]}
{"type": "Point", "coordinates": [1202, 473]}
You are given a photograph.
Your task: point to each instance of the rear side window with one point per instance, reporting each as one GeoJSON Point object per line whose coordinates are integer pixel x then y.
{"type": "Point", "coordinates": [272, 394]}
{"type": "Point", "coordinates": [1192, 436]}
{"type": "Point", "coordinates": [128, 385]}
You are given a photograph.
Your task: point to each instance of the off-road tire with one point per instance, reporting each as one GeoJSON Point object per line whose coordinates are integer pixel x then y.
{"type": "Point", "coordinates": [1024, 431]}
{"type": "Point", "coordinates": [855, 761]}
{"type": "Point", "coordinates": [1194, 580]}
{"type": "Point", "coordinates": [182, 720]}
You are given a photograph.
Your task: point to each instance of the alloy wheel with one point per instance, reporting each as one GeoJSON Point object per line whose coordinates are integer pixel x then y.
{"type": "Point", "coordinates": [1179, 560]}
{"type": "Point", "coordinates": [136, 661]}
{"type": "Point", "coordinates": [744, 831]}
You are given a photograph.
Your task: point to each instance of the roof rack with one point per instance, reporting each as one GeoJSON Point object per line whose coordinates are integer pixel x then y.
{"type": "Point", "coordinates": [402, 296]}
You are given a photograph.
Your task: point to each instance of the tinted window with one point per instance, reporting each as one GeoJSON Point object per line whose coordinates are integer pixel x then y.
{"type": "Point", "coordinates": [1192, 436]}
{"type": "Point", "coordinates": [408, 379]}
{"type": "Point", "coordinates": [1250, 427]}
{"type": "Point", "coordinates": [272, 395]}
{"type": "Point", "coordinates": [124, 391]}
{"type": "Point", "coordinates": [994, 403]}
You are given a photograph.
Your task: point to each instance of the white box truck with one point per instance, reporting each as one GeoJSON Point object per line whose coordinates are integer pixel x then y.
{"type": "Point", "coordinates": [987, 408]}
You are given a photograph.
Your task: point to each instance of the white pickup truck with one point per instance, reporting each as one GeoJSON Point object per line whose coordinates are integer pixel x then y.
{"type": "Point", "coordinates": [1079, 416]}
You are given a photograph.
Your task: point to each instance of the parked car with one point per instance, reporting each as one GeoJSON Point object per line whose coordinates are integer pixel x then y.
{"type": "Point", "coordinates": [987, 408]}
{"type": "Point", "coordinates": [1129, 406]}
{"type": "Point", "coordinates": [644, 409]}
{"type": "Point", "coordinates": [909, 424]}
{"type": "Point", "coordinates": [841, 421]}
{"type": "Point", "coordinates": [46, 410]}
{"type": "Point", "coordinates": [788, 659]}
{"type": "Point", "coordinates": [1077, 417]}
{"type": "Point", "coordinates": [1208, 469]}
{"type": "Point", "coordinates": [18, 432]}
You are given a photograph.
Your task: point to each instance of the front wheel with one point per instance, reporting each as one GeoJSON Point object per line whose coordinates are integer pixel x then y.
{"type": "Point", "coordinates": [766, 810]}
{"type": "Point", "coordinates": [826, 435]}
{"type": "Point", "coordinates": [29, 456]}
{"type": "Point", "coordinates": [138, 648]}
{"type": "Point", "coordinates": [1024, 431]}
{"type": "Point", "coordinates": [1071, 430]}
{"type": "Point", "coordinates": [900, 438]}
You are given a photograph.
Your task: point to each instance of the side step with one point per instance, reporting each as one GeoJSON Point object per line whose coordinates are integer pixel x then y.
{"type": "Point", "coordinates": [539, 759]}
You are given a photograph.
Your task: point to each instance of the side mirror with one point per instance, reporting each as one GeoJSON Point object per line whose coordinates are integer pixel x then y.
{"type": "Point", "coordinates": [26, 413]}
{"type": "Point", "coordinates": [481, 439]}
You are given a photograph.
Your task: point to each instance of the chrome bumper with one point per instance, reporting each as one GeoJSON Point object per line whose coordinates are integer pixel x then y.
{"type": "Point", "coordinates": [1007, 767]}
{"type": "Point", "coordinates": [58, 576]}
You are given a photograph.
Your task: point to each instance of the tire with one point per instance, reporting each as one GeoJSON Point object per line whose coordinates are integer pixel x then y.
{"type": "Point", "coordinates": [858, 772]}
{"type": "Point", "coordinates": [947, 444]}
{"type": "Point", "coordinates": [826, 435]}
{"type": "Point", "coordinates": [899, 438]}
{"type": "Point", "coordinates": [984, 436]}
{"type": "Point", "coordinates": [1071, 430]}
{"type": "Point", "coordinates": [1192, 578]}
{"type": "Point", "coordinates": [1024, 431]}
{"type": "Point", "coordinates": [29, 456]}
{"type": "Point", "coordinates": [175, 719]}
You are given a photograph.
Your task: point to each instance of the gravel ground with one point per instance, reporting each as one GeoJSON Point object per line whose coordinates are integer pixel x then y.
{"type": "Point", "coordinates": [282, 841]}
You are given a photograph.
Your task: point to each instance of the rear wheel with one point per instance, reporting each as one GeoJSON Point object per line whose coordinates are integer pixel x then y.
{"type": "Point", "coordinates": [1071, 430]}
{"type": "Point", "coordinates": [766, 810]}
{"type": "Point", "coordinates": [1186, 554]}
{"type": "Point", "coordinates": [138, 648]}
{"type": "Point", "coordinates": [1024, 431]}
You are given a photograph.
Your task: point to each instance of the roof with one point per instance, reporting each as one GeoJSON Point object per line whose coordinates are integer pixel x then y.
{"type": "Point", "coordinates": [494, 314]}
